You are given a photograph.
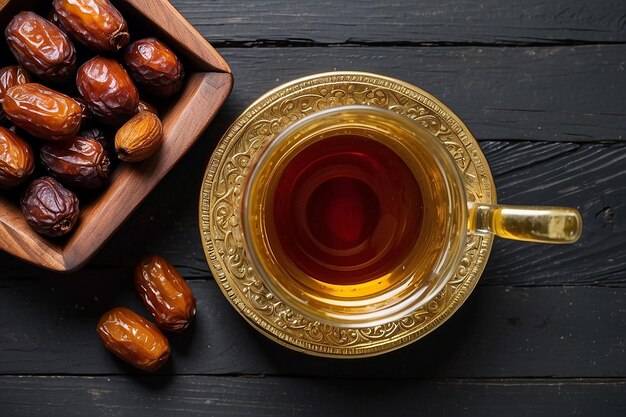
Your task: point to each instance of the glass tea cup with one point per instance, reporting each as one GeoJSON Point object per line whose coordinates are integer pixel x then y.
{"type": "Point", "coordinates": [356, 216]}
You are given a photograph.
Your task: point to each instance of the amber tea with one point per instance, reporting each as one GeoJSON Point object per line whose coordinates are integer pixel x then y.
{"type": "Point", "coordinates": [347, 209]}
{"type": "Point", "coordinates": [350, 213]}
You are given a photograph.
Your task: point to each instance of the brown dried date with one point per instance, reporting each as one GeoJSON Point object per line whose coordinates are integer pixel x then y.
{"type": "Point", "coordinates": [133, 339]}
{"type": "Point", "coordinates": [95, 23]}
{"type": "Point", "coordinates": [165, 293]}
{"type": "Point", "coordinates": [107, 89]}
{"type": "Point", "coordinates": [10, 76]}
{"type": "Point", "coordinates": [155, 67]}
{"type": "Point", "coordinates": [49, 208]}
{"type": "Point", "coordinates": [42, 112]}
{"type": "Point", "coordinates": [105, 140]}
{"type": "Point", "coordinates": [41, 47]}
{"type": "Point", "coordinates": [93, 133]}
{"type": "Point", "coordinates": [81, 162]}
{"type": "Point", "coordinates": [16, 159]}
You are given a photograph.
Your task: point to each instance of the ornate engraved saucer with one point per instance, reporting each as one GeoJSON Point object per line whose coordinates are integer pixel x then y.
{"type": "Point", "coordinates": [220, 211]}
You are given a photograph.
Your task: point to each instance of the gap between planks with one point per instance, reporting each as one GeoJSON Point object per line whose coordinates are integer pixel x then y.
{"type": "Point", "coordinates": [309, 43]}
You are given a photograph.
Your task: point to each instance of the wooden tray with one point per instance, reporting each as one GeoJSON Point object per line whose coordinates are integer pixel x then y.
{"type": "Point", "coordinates": [208, 84]}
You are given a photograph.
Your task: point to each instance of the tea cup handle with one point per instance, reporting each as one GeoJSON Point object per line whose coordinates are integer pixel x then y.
{"type": "Point", "coordinates": [527, 223]}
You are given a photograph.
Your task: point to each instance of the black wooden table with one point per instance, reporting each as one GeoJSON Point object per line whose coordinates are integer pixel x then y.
{"type": "Point", "coordinates": [542, 84]}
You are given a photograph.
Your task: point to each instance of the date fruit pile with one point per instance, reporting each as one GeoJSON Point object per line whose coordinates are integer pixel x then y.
{"type": "Point", "coordinates": [167, 297]}
{"type": "Point", "coordinates": [71, 106]}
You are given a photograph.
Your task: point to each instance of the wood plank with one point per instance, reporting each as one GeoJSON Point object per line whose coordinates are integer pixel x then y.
{"type": "Point", "coordinates": [425, 22]}
{"type": "Point", "coordinates": [589, 177]}
{"type": "Point", "coordinates": [227, 396]}
{"type": "Point", "coordinates": [49, 328]}
{"type": "Point", "coordinates": [548, 93]}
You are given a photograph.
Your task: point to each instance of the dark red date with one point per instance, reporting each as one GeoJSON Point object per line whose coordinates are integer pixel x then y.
{"type": "Point", "coordinates": [49, 208]}
{"type": "Point", "coordinates": [10, 76]}
{"type": "Point", "coordinates": [81, 162]}
{"type": "Point", "coordinates": [42, 112]}
{"type": "Point", "coordinates": [41, 47]}
{"type": "Point", "coordinates": [95, 23]}
{"type": "Point", "coordinates": [133, 339]}
{"type": "Point", "coordinates": [16, 159]}
{"type": "Point", "coordinates": [154, 67]}
{"type": "Point", "coordinates": [165, 293]}
{"type": "Point", "coordinates": [107, 90]}
{"type": "Point", "coordinates": [94, 133]}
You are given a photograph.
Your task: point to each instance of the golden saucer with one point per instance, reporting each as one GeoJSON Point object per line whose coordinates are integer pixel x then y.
{"type": "Point", "coordinates": [220, 203]}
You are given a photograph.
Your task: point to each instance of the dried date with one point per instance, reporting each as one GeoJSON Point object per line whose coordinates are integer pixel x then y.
{"type": "Point", "coordinates": [49, 208]}
{"type": "Point", "coordinates": [154, 67]}
{"type": "Point", "coordinates": [81, 162]}
{"type": "Point", "coordinates": [94, 133]}
{"type": "Point", "coordinates": [95, 23]}
{"type": "Point", "coordinates": [108, 90]}
{"type": "Point", "coordinates": [42, 112]}
{"type": "Point", "coordinates": [10, 76]}
{"type": "Point", "coordinates": [16, 159]}
{"type": "Point", "coordinates": [133, 339]}
{"type": "Point", "coordinates": [41, 47]}
{"type": "Point", "coordinates": [165, 293]}
{"type": "Point", "coordinates": [105, 140]}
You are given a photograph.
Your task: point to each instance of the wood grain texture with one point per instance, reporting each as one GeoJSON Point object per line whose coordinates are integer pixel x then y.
{"type": "Point", "coordinates": [563, 93]}
{"type": "Point", "coordinates": [227, 396]}
{"type": "Point", "coordinates": [500, 332]}
{"type": "Point", "coordinates": [593, 178]}
{"type": "Point", "coordinates": [416, 22]}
